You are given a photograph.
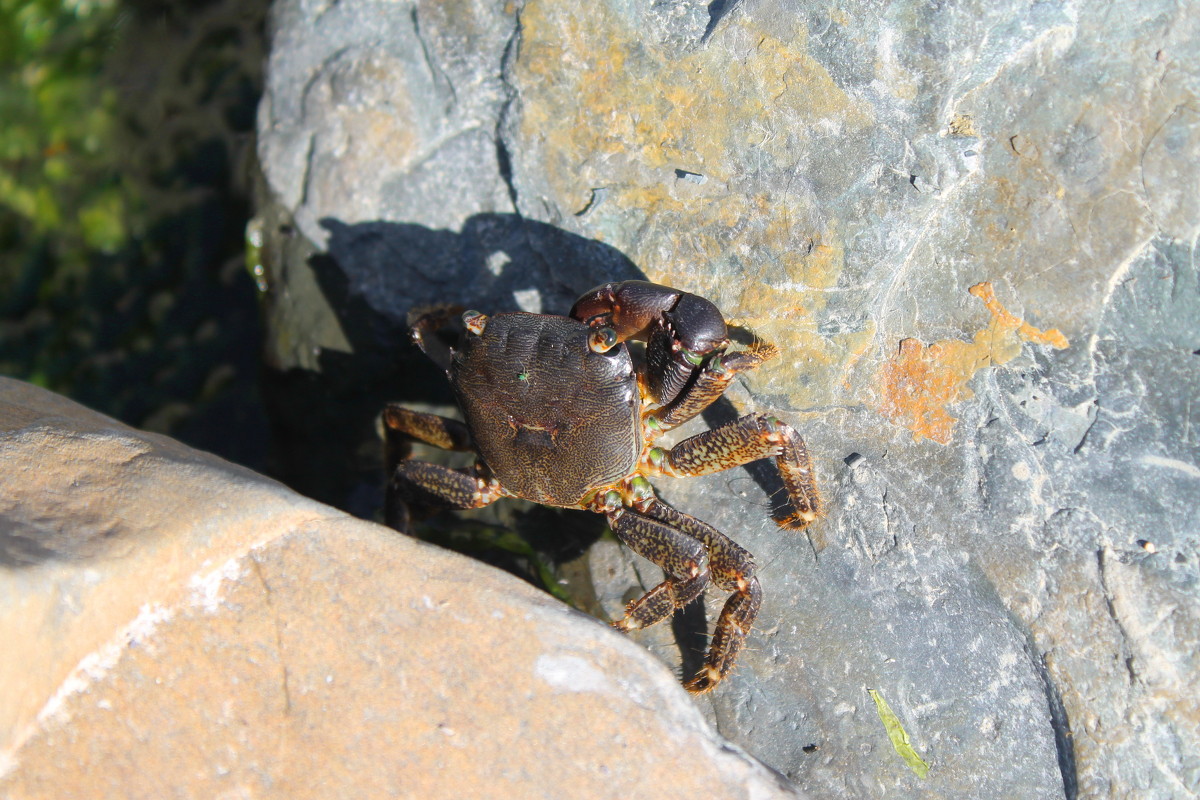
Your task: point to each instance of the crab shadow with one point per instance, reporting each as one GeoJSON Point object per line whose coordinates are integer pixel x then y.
{"type": "Point", "coordinates": [369, 278]}
{"type": "Point", "coordinates": [325, 442]}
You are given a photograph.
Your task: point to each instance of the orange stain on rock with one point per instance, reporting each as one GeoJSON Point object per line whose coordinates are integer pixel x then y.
{"type": "Point", "coordinates": [919, 383]}
{"type": "Point", "coordinates": [1006, 322]}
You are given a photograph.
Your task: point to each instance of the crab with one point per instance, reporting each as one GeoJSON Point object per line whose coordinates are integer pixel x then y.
{"type": "Point", "coordinates": [559, 410]}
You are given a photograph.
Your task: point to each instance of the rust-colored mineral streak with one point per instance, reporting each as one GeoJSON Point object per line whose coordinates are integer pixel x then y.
{"type": "Point", "coordinates": [919, 383]}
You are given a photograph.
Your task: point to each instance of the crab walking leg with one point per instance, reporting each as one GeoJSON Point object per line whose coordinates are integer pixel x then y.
{"type": "Point", "coordinates": [732, 569]}
{"type": "Point", "coordinates": [680, 556]}
{"type": "Point", "coordinates": [750, 438]}
{"type": "Point", "coordinates": [418, 483]}
{"type": "Point", "coordinates": [402, 425]}
{"type": "Point", "coordinates": [737, 617]}
{"type": "Point", "coordinates": [711, 382]}
{"type": "Point", "coordinates": [729, 564]}
{"type": "Point", "coordinates": [431, 487]}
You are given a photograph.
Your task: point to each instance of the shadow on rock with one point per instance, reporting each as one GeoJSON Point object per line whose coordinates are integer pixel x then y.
{"type": "Point", "coordinates": [326, 444]}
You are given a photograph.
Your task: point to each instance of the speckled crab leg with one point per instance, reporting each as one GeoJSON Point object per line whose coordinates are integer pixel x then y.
{"type": "Point", "coordinates": [750, 438]}
{"type": "Point", "coordinates": [680, 556]}
{"type": "Point", "coordinates": [737, 618]}
{"type": "Point", "coordinates": [678, 543]}
{"type": "Point", "coordinates": [425, 486]}
{"type": "Point", "coordinates": [402, 425]}
{"type": "Point", "coordinates": [429, 487]}
{"type": "Point", "coordinates": [732, 569]}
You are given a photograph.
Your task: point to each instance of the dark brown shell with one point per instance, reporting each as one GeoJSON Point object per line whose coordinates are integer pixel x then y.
{"type": "Point", "coordinates": [551, 419]}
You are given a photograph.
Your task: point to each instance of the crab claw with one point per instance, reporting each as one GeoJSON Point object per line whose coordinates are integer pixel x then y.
{"type": "Point", "coordinates": [636, 309]}
{"type": "Point", "coordinates": [681, 330]}
{"type": "Point", "coordinates": [426, 323]}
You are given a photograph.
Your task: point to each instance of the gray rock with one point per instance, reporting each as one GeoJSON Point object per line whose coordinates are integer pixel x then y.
{"type": "Point", "coordinates": [971, 231]}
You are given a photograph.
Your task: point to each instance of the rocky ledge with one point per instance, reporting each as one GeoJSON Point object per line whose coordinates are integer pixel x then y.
{"type": "Point", "coordinates": [175, 625]}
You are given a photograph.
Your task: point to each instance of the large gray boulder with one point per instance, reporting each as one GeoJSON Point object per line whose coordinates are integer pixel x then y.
{"type": "Point", "coordinates": [971, 231]}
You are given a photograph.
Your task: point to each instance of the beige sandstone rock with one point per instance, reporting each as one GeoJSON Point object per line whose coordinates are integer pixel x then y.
{"type": "Point", "coordinates": [174, 625]}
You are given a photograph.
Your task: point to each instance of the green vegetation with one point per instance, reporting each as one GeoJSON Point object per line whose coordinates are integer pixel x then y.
{"type": "Point", "coordinates": [122, 215]}
{"type": "Point", "coordinates": [898, 736]}
{"type": "Point", "coordinates": [57, 173]}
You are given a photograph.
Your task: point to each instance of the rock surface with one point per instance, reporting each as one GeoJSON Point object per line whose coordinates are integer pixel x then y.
{"type": "Point", "coordinates": [970, 228]}
{"type": "Point", "coordinates": [179, 626]}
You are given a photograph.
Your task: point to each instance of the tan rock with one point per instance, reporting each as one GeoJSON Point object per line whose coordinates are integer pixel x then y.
{"type": "Point", "coordinates": [174, 625]}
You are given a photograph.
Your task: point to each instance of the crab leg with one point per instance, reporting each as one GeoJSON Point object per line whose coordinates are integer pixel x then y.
{"type": "Point", "coordinates": [732, 569]}
{"type": "Point", "coordinates": [729, 564]}
{"type": "Point", "coordinates": [737, 617]}
{"type": "Point", "coordinates": [401, 425]}
{"type": "Point", "coordinates": [678, 542]}
{"type": "Point", "coordinates": [429, 487]}
{"type": "Point", "coordinates": [424, 323]}
{"type": "Point", "coordinates": [419, 484]}
{"type": "Point", "coordinates": [747, 439]}
{"type": "Point", "coordinates": [680, 556]}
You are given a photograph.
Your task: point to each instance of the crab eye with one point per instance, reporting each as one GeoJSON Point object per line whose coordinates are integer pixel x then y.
{"type": "Point", "coordinates": [475, 322]}
{"type": "Point", "coordinates": [602, 340]}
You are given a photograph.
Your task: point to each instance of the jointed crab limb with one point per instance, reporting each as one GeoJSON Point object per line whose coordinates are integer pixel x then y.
{"type": "Point", "coordinates": [732, 569]}
{"type": "Point", "coordinates": [443, 432]}
{"type": "Point", "coordinates": [635, 309]}
{"type": "Point", "coordinates": [669, 367]}
{"type": "Point", "coordinates": [680, 557]}
{"type": "Point", "coordinates": [729, 564]}
{"type": "Point", "coordinates": [660, 602]}
{"type": "Point", "coordinates": [400, 427]}
{"type": "Point", "coordinates": [424, 325]}
{"type": "Point", "coordinates": [426, 488]}
{"type": "Point", "coordinates": [795, 468]}
{"type": "Point", "coordinates": [675, 541]}
{"type": "Point", "coordinates": [680, 329]}
{"type": "Point", "coordinates": [421, 486]}
{"type": "Point", "coordinates": [750, 438]}
{"type": "Point", "coordinates": [455, 488]}
{"type": "Point", "coordinates": [737, 617]}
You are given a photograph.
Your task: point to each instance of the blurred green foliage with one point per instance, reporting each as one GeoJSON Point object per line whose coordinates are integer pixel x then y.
{"type": "Point", "coordinates": [56, 172]}
{"type": "Point", "coordinates": [126, 130]}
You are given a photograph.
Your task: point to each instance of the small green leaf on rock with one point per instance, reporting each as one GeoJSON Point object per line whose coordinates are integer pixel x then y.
{"type": "Point", "coordinates": [899, 737]}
